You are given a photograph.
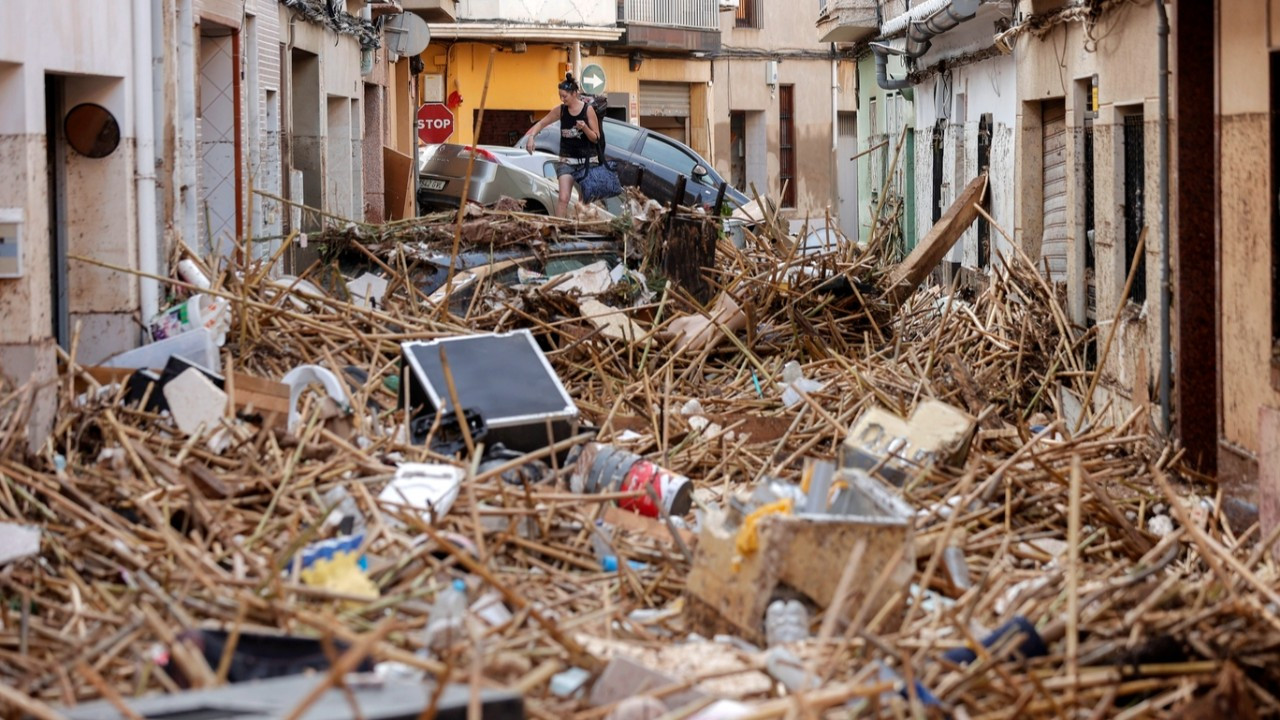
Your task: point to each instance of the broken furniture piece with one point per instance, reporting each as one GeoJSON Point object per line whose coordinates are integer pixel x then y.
{"type": "Point", "coordinates": [801, 555]}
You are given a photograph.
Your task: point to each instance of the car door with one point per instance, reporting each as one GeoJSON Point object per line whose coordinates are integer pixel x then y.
{"type": "Point", "coordinates": [658, 149]}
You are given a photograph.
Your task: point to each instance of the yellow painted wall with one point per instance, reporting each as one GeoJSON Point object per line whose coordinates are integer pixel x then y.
{"type": "Point", "coordinates": [528, 80]}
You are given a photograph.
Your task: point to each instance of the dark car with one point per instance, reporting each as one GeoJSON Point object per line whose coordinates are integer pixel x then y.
{"type": "Point", "coordinates": [661, 158]}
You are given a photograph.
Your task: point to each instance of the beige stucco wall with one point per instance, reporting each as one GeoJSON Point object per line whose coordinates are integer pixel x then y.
{"type": "Point", "coordinates": [80, 40]}
{"type": "Point", "coordinates": [1124, 58]}
{"type": "Point", "coordinates": [1245, 214]}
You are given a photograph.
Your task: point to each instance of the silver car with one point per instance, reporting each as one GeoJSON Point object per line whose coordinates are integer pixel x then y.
{"type": "Point", "coordinates": [544, 164]}
{"type": "Point", "coordinates": [441, 176]}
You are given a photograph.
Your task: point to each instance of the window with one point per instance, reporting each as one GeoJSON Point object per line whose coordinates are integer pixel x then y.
{"type": "Point", "coordinates": [984, 163]}
{"type": "Point", "coordinates": [748, 14]}
{"type": "Point", "coordinates": [939, 144]}
{"type": "Point", "coordinates": [669, 154]}
{"type": "Point", "coordinates": [786, 144]}
{"type": "Point", "coordinates": [620, 135]}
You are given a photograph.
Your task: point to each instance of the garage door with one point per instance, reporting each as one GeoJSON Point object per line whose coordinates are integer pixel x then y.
{"type": "Point", "coordinates": [664, 99]}
{"type": "Point", "coordinates": [1053, 248]}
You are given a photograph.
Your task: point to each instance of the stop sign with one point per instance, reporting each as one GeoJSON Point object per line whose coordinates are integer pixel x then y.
{"type": "Point", "coordinates": [435, 123]}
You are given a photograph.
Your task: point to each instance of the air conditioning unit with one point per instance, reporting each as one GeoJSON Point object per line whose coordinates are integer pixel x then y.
{"type": "Point", "coordinates": [726, 5]}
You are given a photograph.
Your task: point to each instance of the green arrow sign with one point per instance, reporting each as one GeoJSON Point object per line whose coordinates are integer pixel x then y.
{"type": "Point", "coordinates": [593, 80]}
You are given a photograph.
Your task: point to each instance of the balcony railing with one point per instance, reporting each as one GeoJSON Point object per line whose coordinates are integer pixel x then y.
{"type": "Point", "coordinates": [693, 14]}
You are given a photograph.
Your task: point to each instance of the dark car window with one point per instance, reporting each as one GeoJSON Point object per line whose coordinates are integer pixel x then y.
{"type": "Point", "coordinates": [669, 154]}
{"type": "Point", "coordinates": [620, 135]}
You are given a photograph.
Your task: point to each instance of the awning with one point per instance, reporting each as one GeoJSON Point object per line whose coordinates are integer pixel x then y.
{"type": "Point", "coordinates": [505, 31]}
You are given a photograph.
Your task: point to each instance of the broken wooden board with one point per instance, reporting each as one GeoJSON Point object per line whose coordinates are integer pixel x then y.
{"type": "Point", "coordinates": [612, 323]}
{"type": "Point", "coordinates": [907, 275]}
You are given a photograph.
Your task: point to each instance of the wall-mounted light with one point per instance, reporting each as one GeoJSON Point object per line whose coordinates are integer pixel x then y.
{"type": "Point", "coordinates": [634, 60]}
{"type": "Point", "coordinates": [519, 48]}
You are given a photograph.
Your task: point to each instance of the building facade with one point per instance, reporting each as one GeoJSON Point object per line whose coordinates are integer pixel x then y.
{"type": "Point", "coordinates": [1088, 175]}
{"type": "Point", "coordinates": [77, 141]}
{"type": "Point", "coordinates": [647, 59]}
{"type": "Point", "coordinates": [781, 99]}
{"type": "Point", "coordinates": [1242, 223]}
{"type": "Point", "coordinates": [139, 127]}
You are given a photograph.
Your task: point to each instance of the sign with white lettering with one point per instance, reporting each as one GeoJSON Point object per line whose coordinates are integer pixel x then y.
{"type": "Point", "coordinates": [435, 123]}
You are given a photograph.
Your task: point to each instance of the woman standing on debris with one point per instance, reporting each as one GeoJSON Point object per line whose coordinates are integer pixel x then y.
{"type": "Point", "coordinates": [579, 133]}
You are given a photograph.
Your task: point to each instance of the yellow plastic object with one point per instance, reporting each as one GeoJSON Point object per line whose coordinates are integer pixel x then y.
{"type": "Point", "coordinates": [748, 540]}
{"type": "Point", "coordinates": [340, 573]}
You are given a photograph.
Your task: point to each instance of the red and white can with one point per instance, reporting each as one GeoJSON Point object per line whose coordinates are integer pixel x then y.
{"type": "Point", "coordinates": [671, 492]}
{"type": "Point", "coordinates": [604, 468]}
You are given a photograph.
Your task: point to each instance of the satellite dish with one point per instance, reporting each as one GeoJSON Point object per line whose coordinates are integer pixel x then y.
{"type": "Point", "coordinates": [407, 34]}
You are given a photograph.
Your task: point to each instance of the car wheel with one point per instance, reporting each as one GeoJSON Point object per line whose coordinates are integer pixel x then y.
{"type": "Point", "coordinates": [535, 208]}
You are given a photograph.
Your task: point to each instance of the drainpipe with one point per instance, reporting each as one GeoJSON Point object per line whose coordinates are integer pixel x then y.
{"type": "Point", "coordinates": [145, 156]}
{"type": "Point", "coordinates": [835, 129]}
{"type": "Point", "coordinates": [922, 24]}
{"type": "Point", "coordinates": [882, 53]}
{"type": "Point", "coordinates": [185, 149]}
{"type": "Point", "coordinates": [1166, 355]}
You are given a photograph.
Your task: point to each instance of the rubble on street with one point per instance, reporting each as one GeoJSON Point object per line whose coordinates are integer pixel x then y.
{"type": "Point", "coordinates": [932, 516]}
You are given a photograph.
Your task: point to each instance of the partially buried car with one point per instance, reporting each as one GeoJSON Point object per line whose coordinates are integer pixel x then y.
{"type": "Point", "coordinates": [662, 159]}
{"type": "Point", "coordinates": [442, 172]}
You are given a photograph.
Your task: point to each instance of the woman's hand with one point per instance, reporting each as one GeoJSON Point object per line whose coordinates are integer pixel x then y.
{"type": "Point", "coordinates": [582, 127]}
{"type": "Point", "coordinates": [528, 145]}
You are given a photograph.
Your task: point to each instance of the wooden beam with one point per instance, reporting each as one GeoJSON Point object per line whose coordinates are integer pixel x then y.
{"type": "Point", "coordinates": [908, 274]}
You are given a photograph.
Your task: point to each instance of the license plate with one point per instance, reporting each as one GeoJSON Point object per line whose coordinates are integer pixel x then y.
{"type": "Point", "coordinates": [434, 184]}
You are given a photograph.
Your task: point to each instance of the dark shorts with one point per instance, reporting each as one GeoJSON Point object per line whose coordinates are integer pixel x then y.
{"type": "Point", "coordinates": [570, 167]}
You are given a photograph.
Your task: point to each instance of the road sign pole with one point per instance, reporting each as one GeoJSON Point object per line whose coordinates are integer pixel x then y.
{"type": "Point", "coordinates": [417, 147]}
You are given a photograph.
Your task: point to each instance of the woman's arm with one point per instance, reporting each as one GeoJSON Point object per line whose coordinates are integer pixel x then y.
{"type": "Point", "coordinates": [551, 116]}
{"type": "Point", "coordinates": [593, 125]}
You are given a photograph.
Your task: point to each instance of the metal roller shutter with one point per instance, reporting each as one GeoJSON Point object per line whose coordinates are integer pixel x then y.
{"type": "Point", "coordinates": [1054, 246]}
{"type": "Point", "coordinates": [664, 99]}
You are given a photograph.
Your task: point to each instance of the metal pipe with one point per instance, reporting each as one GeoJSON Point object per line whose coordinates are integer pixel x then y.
{"type": "Point", "coordinates": [922, 24]}
{"type": "Point", "coordinates": [1166, 355]}
{"type": "Point", "coordinates": [144, 136]}
{"type": "Point", "coordinates": [835, 128]}
{"type": "Point", "coordinates": [882, 70]}
{"type": "Point", "coordinates": [185, 151]}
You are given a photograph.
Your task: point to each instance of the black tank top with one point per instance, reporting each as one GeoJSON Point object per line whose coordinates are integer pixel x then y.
{"type": "Point", "coordinates": [574, 142]}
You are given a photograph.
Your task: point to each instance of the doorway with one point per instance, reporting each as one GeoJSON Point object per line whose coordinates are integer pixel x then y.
{"type": "Point", "coordinates": [219, 212]}
{"type": "Point", "coordinates": [56, 162]}
{"type": "Point", "coordinates": [1053, 247]}
{"type": "Point", "coordinates": [847, 173]}
{"type": "Point", "coordinates": [738, 150]}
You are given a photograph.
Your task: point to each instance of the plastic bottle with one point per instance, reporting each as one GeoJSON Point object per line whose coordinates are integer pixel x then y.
{"type": "Point", "coordinates": [189, 271]}
{"type": "Point", "coordinates": [447, 623]}
{"type": "Point", "coordinates": [786, 621]}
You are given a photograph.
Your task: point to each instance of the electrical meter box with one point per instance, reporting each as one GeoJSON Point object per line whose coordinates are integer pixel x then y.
{"type": "Point", "coordinates": [10, 243]}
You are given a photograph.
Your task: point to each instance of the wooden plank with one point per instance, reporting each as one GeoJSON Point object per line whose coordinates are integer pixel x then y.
{"type": "Point", "coordinates": [907, 275]}
{"type": "Point", "coordinates": [398, 169]}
